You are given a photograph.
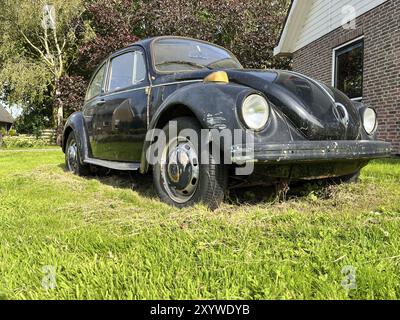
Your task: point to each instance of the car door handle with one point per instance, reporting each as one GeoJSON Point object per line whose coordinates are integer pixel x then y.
{"type": "Point", "coordinates": [100, 102]}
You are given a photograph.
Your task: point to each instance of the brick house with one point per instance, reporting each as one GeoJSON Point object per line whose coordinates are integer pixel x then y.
{"type": "Point", "coordinates": [353, 45]}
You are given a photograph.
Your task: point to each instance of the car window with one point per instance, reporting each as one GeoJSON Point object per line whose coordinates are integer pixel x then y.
{"type": "Point", "coordinates": [126, 70]}
{"type": "Point", "coordinates": [179, 55]}
{"type": "Point", "coordinates": [96, 84]}
{"type": "Point", "coordinates": [140, 67]}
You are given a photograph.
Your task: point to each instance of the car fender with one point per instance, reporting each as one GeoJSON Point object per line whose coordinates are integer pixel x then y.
{"type": "Point", "coordinates": [213, 104]}
{"type": "Point", "coordinates": [209, 102]}
{"type": "Point", "coordinates": [76, 124]}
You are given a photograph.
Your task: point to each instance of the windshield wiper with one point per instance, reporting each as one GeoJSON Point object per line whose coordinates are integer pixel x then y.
{"type": "Point", "coordinates": [189, 63]}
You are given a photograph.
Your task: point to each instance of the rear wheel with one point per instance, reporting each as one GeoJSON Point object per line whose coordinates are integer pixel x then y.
{"type": "Point", "coordinates": [180, 178]}
{"type": "Point", "coordinates": [73, 159]}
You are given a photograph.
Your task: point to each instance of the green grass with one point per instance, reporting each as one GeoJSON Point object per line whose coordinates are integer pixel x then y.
{"type": "Point", "coordinates": [111, 238]}
{"type": "Point", "coordinates": [2, 148]}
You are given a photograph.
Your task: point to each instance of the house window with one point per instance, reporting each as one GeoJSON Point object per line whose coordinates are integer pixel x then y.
{"type": "Point", "coordinates": [348, 68]}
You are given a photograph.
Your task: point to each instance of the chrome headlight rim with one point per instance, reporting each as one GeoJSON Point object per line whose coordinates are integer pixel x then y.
{"type": "Point", "coordinates": [244, 117]}
{"type": "Point", "coordinates": [367, 128]}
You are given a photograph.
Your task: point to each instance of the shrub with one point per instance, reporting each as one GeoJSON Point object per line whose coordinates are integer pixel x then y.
{"type": "Point", "coordinates": [12, 133]}
{"type": "Point", "coordinates": [23, 142]}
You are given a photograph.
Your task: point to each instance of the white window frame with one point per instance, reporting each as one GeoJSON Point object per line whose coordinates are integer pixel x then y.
{"type": "Point", "coordinates": [334, 61]}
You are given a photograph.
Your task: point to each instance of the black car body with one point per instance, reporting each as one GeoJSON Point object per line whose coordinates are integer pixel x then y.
{"type": "Point", "coordinates": [311, 130]}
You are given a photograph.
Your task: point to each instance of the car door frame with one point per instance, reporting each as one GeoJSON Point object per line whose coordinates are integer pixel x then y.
{"type": "Point", "coordinates": [132, 48]}
{"type": "Point", "coordinates": [107, 94]}
{"type": "Point", "coordinates": [90, 104]}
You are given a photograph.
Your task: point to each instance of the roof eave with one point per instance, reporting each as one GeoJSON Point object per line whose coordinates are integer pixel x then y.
{"type": "Point", "coordinates": [278, 53]}
{"type": "Point", "coordinates": [296, 16]}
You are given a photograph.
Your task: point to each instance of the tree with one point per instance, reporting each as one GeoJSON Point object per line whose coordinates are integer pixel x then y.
{"type": "Point", "coordinates": [33, 120]}
{"type": "Point", "coordinates": [107, 25]}
{"type": "Point", "coordinates": [249, 29]}
{"type": "Point", "coordinates": [38, 43]}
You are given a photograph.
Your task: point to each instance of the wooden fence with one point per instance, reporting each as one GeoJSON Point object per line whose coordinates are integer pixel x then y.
{"type": "Point", "coordinates": [49, 135]}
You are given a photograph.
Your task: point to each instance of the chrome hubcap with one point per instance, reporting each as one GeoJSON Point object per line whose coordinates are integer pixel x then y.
{"type": "Point", "coordinates": [72, 156]}
{"type": "Point", "coordinates": [180, 169]}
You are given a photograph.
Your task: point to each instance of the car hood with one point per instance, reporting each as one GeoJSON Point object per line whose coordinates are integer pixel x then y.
{"type": "Point", "coordinates": [316, 110]}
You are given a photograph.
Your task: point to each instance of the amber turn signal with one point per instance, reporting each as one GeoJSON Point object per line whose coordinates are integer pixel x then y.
{"type": "Point", "coordinates": [217, 76]}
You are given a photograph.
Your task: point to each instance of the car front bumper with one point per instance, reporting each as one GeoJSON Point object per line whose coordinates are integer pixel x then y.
{"type": "Point", "coordinates": [311, 151]}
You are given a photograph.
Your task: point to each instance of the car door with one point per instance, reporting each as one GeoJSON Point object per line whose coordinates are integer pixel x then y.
{"type": "Point", "coordinates": [93, 101]}
{"type": "Point", "coordinates": [122, 113]}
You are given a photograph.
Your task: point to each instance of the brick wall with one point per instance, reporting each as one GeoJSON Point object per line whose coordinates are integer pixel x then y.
{"type": "Point", "coordinates": [381, 86]}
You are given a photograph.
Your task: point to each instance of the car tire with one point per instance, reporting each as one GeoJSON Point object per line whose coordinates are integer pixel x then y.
{"type": "Point", "coordinates": [73, 158]}
{"type": "Point", "coordinates": [203, 183]}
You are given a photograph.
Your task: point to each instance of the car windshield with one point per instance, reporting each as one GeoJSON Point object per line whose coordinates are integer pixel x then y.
{"type": "Point", "coordinates": [180, 55]}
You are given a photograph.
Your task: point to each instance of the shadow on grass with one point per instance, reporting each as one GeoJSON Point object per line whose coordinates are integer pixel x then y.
{"type": "Point", "coordinates": [143, 184]}
{"type": "Point", "coordinates": [133, 180]}
{"type": "Point", "coordinates": [323, 189]}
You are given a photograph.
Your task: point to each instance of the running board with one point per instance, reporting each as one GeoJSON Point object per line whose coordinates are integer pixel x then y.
{"type": "Point", "coordinates": [123, 166]}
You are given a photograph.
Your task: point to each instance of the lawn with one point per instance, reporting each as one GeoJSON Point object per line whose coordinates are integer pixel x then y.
{"type": "Point", "coordinates": [110, 238]}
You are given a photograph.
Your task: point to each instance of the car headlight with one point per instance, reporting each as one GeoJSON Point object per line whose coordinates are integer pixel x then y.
{"type": "Point", "coordinates": [369, 120]}
{"type": "Point", "coordinates": [255, 112]}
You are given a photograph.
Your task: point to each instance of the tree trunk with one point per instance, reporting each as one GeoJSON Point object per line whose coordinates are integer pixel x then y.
{"type": "Point", "coordinates": [58, 114]}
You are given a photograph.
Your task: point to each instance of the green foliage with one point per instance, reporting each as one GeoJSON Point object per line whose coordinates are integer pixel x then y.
{"type": "Point", "coordinates": [109, 240]}
{"type": "Point", "coordinates": [25, 80]}
{"type": "Point", "coordinates": [34, 119]}
{"type": "Point", "coordinates": [250, 29]}
{"type": "Point", "coordinates": [16, 142]}
{"type": "Point", "coordinates": [3, 131]}
{"type": "Point", "coordinates": [32, 58]}
{"type": "Point", "coordinates": [12, 132]}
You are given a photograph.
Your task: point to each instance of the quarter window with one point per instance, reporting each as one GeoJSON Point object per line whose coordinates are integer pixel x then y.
{"type": "Point", "coordinates": [96, 85]}
{"type": "Point", "coordinates": [140, 67]}
{"type": "Point", "coordinates": [126, 70]}
{"type": "Point", "coordinates": [349, 63]}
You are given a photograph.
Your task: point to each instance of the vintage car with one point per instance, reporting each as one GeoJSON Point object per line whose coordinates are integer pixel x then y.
{"type": "Point", "coordinates": [300, 128]}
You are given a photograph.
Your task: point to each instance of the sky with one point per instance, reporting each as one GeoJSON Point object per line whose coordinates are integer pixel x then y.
{"type": "Point", "coordinates": [14, 109]}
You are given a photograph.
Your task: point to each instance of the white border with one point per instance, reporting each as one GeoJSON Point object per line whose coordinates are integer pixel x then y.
{"type": "Point", "coordinates": [334, 60]}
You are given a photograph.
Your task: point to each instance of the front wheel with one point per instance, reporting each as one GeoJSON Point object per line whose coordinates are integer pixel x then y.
{"type": "Point", "coordinates": [180, 178]}
{"type": "Point", "coordinates": [72, 157]}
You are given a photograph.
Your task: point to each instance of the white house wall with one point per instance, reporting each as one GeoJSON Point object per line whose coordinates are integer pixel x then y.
{"type": "Point", "coordinates": [312, 19]}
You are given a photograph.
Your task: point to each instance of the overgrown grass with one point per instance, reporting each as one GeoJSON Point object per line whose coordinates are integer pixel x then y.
{"type": "Point", "coordinates": [110, 238]}
{"type": "Point", "coordinates": [23, 141]}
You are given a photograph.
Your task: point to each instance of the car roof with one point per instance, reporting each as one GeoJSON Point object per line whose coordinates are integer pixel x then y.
{"type": "Point", "coordinates": [147, 41]}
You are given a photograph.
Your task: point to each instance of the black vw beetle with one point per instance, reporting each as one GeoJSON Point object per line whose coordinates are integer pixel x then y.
{"type": "Point", "coordinates": [300, 128]}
